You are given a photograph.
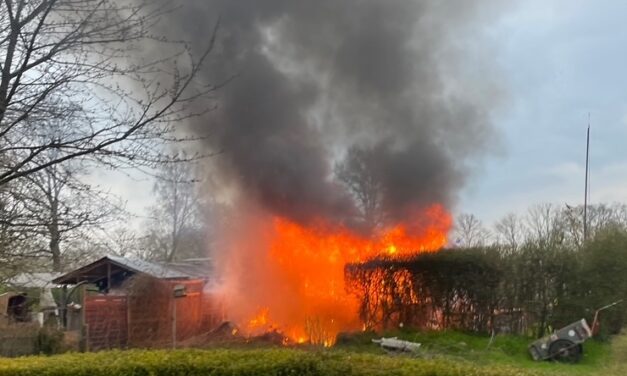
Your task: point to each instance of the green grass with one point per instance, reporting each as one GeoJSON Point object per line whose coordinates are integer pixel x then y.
{"type": "Point", "coordinates": [617, 364]}
{"type": "Point", "coordinates": [442, 354]}
{"type": "Point", "coordinates": [476, 349]}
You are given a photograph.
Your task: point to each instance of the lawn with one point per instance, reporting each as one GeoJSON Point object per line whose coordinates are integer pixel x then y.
{"type": "Point", "coordinates": [479, 350]}
{"type": "Point", "coordinates": [448, 353]}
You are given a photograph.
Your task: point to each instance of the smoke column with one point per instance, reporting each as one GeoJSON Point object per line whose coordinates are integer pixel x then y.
{"type": "Point", "coordinates": [406, 81]}
{"type": "Point", "coordinates": [409, 84]}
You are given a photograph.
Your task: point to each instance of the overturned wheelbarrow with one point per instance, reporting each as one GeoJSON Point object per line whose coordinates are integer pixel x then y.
{"type": "Point", "coordinates": [565, 345]}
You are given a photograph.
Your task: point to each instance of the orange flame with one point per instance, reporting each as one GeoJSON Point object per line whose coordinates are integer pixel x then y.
{"type": "Point", "coordinates": [300, 277]}
{"type": "Point", "coordinates": [259, 321]}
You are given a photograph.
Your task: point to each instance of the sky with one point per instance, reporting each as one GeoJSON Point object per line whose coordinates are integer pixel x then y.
{"type": "Point", "coordinates": [559, 61]}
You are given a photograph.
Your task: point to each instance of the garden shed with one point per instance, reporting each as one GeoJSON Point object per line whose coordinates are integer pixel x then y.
{"type": "Point", "coordinates": [119, 302]}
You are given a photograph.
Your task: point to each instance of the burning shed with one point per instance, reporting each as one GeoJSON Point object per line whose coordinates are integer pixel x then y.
{"type": "Point", "coordinates": [128, 302]}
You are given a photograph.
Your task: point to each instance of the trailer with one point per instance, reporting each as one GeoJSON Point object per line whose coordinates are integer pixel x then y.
{"type": "Point", "coordinates": [566, 344]}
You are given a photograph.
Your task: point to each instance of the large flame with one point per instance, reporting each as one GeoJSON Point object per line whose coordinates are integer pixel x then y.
{"type": "Point", "coordinates": [296, 284]}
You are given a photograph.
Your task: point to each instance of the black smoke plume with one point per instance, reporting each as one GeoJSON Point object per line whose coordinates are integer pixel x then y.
{"type": "Point", "coordinates": [410, 83]}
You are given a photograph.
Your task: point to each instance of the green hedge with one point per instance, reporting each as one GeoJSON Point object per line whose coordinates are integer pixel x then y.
{"type": "Point", "coordinates": [239, 362]}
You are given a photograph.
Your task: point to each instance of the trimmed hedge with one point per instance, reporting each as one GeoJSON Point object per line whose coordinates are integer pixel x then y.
{"type": "Point", "coordinates": [280, 362]}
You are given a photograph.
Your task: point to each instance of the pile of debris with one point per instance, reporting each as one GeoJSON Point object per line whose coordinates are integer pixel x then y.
{"type": "Point", "coordinates": [228, 333]}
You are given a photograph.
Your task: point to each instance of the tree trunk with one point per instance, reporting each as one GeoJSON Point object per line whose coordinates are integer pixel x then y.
{"type": "Point", "coordinates": [55, 248]}
{"type": "Point", "coordinates": [55, 235]}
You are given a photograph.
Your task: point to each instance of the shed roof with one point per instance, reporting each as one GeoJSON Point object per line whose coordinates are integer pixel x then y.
{"type": "Point", "coordinates": [97, 270]}
{"type": "Point", "coordinates": [34, 280]}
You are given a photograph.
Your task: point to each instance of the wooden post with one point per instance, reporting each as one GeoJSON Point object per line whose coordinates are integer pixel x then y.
{"type": "Point", "coordinates": [84, 326]}
{"type": "Point", "coordinates": [64, 307]}
{"type": "Point", "coordinates": [108, 277]}
{"type": "Point", "coordinates": [173, 322]}
{"type": "Point", "coordinates": [128, 320]}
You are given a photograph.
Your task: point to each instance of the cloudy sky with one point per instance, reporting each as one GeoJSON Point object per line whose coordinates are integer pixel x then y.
{"type": "Point", "coordinates": [561, 60]}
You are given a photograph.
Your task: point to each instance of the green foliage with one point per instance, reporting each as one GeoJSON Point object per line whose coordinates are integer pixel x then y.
{"type": "Point", "coordinates": [598, 278]}
{"type": "Point", "coordinates": [543, 284]}
{"type": "Point", "coordinates": [240, 362]}
{"type": "Point", "coordinates": [604, 276]}
{"type": "Point", "coordinates": [538, 280]}
{"type": "Point", "coordinates": [49, 341]}
{"type": "Point", "coordinates": [444, 353]}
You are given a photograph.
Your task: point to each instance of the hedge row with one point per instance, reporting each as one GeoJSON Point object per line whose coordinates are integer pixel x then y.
{"type": "Point", "coordinates": [238, 362]}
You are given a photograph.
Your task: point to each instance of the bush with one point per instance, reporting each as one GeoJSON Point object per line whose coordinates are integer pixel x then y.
{"type": "Point", "coordinates": [450, 289]}
{"type": "Point", "coordinates": [238, 362]}
{"type": "Point", "coordinates": [49, 341]}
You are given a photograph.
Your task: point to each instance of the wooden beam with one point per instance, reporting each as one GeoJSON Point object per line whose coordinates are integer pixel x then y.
{"type": "Point", "coordinates": [108, 277]}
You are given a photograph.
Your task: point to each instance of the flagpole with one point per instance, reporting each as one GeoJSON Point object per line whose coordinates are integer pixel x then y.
{"type": "Point", "coordinates": [585, 199]}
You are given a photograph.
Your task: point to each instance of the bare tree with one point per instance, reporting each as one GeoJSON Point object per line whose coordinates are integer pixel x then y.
{"type": "Point", "coordinates": [573, 221]}
{"type": "Point", "coordinates": [13, 239]}
{"type": "Point", "coordinates": [546, 225]}
{"type": "Point", "coordinates": [600, 217]}
{"type": "Point", "coordinates": [510, 231]}
{"type": "Point", "coordinates": [74, 62]}
{"type": "Point", "coordinates": [59, 208]}
{"type": "Point", "coordinates": [120, 241]}
{"type": "Point", "coordinates": [176, 224]}
{"type": "Point", "coordinates": [469, 231]}
{"type": "Point", "coordinates": [357, 173]}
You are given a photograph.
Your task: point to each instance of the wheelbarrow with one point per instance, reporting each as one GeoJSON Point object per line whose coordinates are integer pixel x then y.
{"type": "Point", "coordinates": [566, 344]}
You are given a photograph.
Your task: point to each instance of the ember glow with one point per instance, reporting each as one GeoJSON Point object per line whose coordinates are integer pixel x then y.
{"type": "Point", "coordinates": [297, 286]}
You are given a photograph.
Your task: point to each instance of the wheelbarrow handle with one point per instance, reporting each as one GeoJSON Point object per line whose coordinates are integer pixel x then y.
{"type": "Point", "coordinates": [595, 322]}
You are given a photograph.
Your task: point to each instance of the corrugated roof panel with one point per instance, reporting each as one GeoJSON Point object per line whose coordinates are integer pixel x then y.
{"type": "Point", "coordinates": [147, 267]}
{"type": "Point", "coordinates": [192, 269]}
{"type": "Point", "coordinates": [34, 280]}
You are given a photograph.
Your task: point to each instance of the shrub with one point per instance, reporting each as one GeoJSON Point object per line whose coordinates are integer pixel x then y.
{"type": "Point", "coordinates": [281, 362]}
{"type": "Point", "coordinates": [49, 341]}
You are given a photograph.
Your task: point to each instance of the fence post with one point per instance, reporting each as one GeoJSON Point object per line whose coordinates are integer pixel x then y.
{"type": "Point", "coordinates": [178, 291]}
{"type": "Point", "coordinates": [174, 323]}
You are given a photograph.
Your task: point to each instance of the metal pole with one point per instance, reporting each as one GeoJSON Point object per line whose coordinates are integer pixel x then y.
{"type": "Point", "coordinates": [585, 199]}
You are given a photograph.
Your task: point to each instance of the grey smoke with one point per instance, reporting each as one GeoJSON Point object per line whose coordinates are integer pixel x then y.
{"type": "Point", "coordinates": [405, 80]}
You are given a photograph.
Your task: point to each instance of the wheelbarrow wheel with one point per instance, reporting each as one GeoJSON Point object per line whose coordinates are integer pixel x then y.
{"type": "Point", "coordinates": [566, 351]}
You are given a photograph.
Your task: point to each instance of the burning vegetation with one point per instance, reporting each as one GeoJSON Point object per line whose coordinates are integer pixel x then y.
{"type": "Point", "coordinates": [304, 268]}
